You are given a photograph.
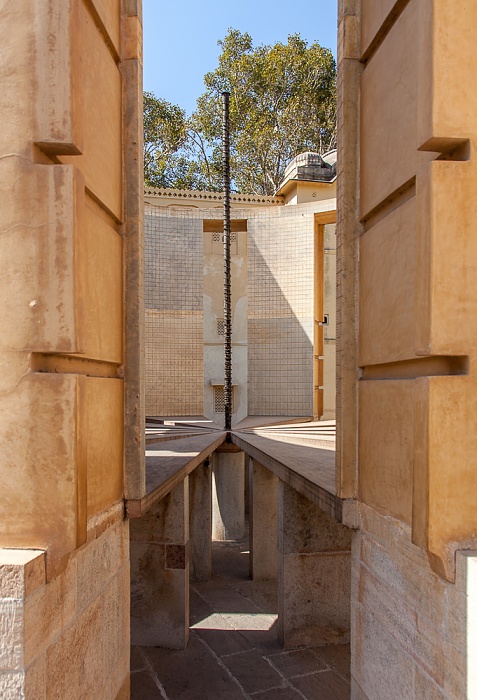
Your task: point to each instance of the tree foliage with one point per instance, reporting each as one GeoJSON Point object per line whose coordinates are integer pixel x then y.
{"type": "Point", "coordinates": [282, 102]}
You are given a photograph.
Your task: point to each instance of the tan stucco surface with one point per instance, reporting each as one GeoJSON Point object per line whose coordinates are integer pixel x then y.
{"type": "Point", "coordinates": [70, 101]}
{"type": "Point", "coordinates": [406, 344]}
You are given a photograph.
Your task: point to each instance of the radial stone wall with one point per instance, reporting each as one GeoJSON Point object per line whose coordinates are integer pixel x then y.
{"type": "Point", "coordinates": [280, 312]}
{"type": "Point", "coordinates": [70, 106]}
{"type": "Point", "coordinates": [174, 313]}
{"type": "Point", "coordinates": [407, 301]}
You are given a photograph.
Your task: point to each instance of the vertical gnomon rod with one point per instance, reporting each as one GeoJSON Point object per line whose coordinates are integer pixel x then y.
{"type": "Point", "coordinates": [227, 280]}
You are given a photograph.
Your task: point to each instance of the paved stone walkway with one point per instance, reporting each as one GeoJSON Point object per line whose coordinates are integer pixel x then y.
{"type": "Point", "coordinates": [233, 652]}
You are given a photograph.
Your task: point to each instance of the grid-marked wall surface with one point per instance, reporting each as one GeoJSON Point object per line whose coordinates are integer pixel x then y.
{"type": "Point", "coordinates": [174, 312]}
{"type": "Point", "coordinates": [280, 312]}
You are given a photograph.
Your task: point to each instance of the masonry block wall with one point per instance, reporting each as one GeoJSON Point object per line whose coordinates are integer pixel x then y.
{"type": "Point", "coordinates": [274, 276]}
{"type": "Point", "coordinates": [407, 259]}
{"type": "Point", "coordinates": [174, 313]}
{"type": "Point", "coordinates": [280, 312]}
{"type": "Point", "coordinates": [70, 103]}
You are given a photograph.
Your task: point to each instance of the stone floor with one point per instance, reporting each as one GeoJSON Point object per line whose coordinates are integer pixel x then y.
{"type": "Point", "coordinates": [233, 652]}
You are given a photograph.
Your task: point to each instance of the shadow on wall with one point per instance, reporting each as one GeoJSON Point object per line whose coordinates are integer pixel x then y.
{"type": "Point", "coordinates": [280, 329]}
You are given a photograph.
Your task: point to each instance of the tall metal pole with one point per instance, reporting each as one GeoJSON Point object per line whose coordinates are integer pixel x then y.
{"type": "Point", "coordinates": [227, 279]}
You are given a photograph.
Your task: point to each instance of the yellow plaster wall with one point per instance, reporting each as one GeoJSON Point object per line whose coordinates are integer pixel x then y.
{"type": "Point", "coordinates": [389, 114]}
{"type": "Point", "coordinates": [62, 219]}
{"type": "Point", "coordinates": [416, 278]}
{"type": "Point", "coordinates": [386, 275]}
{"type": "Point", "coordinates": [99, 89]}
{"type": "Point", "coordinates": [69, 382]}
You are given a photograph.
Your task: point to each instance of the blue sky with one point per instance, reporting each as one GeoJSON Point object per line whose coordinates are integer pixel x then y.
{"type": "Point", "coordinates": [180, 38]}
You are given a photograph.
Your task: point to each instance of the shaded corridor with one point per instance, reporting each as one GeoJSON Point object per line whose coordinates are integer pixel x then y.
{"type": "Point", "coordinates": [233, 652]}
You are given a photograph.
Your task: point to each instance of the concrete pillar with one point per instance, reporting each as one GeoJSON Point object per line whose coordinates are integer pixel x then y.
{"type": "Point", "coordinates": [263, 522]}
{"type": "Point", "coordinates": [228, 500]}
{"type": "Point", "coordinates": [200, 520]}
{"type": "Point", "coordinates": [314, 578]}
{"type": "Point", "coordinates": [160, 572]}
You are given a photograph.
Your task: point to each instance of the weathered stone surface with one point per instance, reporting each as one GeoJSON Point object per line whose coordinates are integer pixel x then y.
{"type": "Point", "coordinates": [263, 523]}
{"type": "Point", "coordinates": [314, 574]}
{"type": "Point", "coordinates": [159, 599]}
{"type": "Point", "coordinates": [12, 684]}
{"type": "Point", "coordinates": [160, 572]}
{"type": "Point", "coordinates": [48, 611]}
{"type": "Point", "coordinates": [200, 522]}
{"type": "Point", "coordinates": [304, 528]}
{"type": "Point", "coordinates": [167, 521]}
{"type": "Point", "coordinates": [12, 634]}
{"type": "Point", "coordinates": [98, 562]}
{"type": "Point", "coordinates": [228, 495]}
{"type": "Point", "coordinates": [75, 660]}
{"type": "Point", "coordinates": [22, 571]}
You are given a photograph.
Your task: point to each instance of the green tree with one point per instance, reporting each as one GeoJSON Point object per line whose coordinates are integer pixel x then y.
{"type": "Point", "coordinates": [283, 102]}
{"type": "Point", "coordinates": [165, 133]}
{"type": "Point", "coordinates": [174, 154]}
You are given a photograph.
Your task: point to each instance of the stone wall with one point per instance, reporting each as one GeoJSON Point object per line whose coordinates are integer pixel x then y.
{"type": "Point", "coordinates": [69, 218]}
{"type": "Point", "coordinates": [174, 313]}
{"type": "Point", "coordinates": [69, 637]}
{"type": "Point", "coordinates": [406, 331]}
{"type": "Point", "coordinates": [280, 311]}
{"type": "Point", "coordinates": [411, 629]}
{"type": "Point", "coordinates": [275, 272]}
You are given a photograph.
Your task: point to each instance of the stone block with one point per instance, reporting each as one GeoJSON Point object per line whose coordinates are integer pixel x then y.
{"type": "Point", "coordinates": [410, 630]}
{"type": "Point", "coordinates": [263, 522]}
{"type": "Point", "coordinates": [446, 100]}
{"type": "Point", "coordinates": [40, 219]}
{"type": "Point", "coordinates": [386, 550]}
{"type": "Point", "coordinates": [160, 572]}
{"type": "Point", "coordinates": [22, 571]}
{"type": "Point", "coordinates": [314, 574]}
{"type": "Point", "coordinates": [98, 87]}
{"type": "Point", "coordinates": [48, 611]}
{"type": "Point", "coordinates": [116, 630]}
{"type": "Point", "coordinates": [132, 38]}
{"type": "Point", "coordinates": [387, 407]}
{"type": "Point", "coordinates": [12, 684]}
{"type": "Point", "coordinates": [315, 608]}
{"type": "Point", "coordinates": [159, 599]}
{"type": "Point", "coordinates": [40, 483]}
{"type": "Point", "coordinates": [58, 129]}
{"type": "Point", "coordinates": [11, 634]}
{"type": "Point", "coordinates": [99, 561]}
{"type": "Point", "coordinates": [74, 661]}
{"type": "Point", "coordinates": [387, 281]}
{"type": "Point", "coordinates": [379, 663]}
{"type": "Point", "coordinates": [446, 284]}
{"type": "Point", "coordinates": [101, 285]}
{"type": "Point", "coordinates": [101, 435]}
{"type": "Point", "coordinates": [228, 495]}
{"type": "Point", "coordinates": [388, 123]}
{"type": "Point", "coordinates": [305, 529]}
{"type": "Point", "coordinates": [444, 470]}
{"type": "Point", "coordinates": [167, 521]}
{"type": "Point", "coordinates": [200, 522]}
